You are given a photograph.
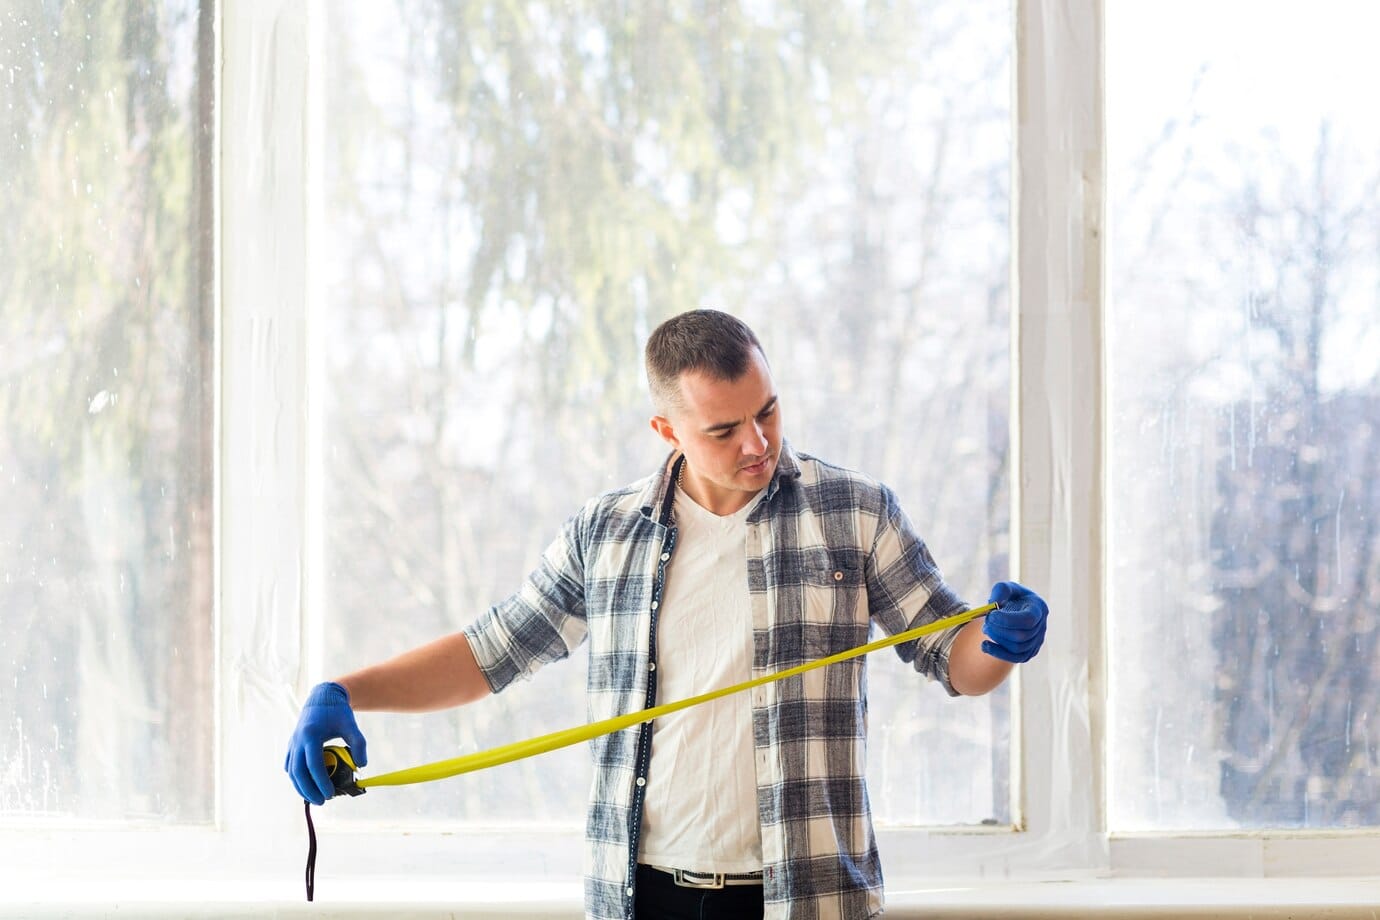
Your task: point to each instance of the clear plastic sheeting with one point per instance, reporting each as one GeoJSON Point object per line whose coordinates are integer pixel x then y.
{"type": "Point", "coordinates": [514, 196]}
{"type": "Point", "coordinates": [105, 413]}
{"type": "Point", "coordinates": [1244, 374]}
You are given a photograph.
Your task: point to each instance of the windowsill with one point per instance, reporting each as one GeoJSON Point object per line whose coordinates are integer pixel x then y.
{"type": "Point", "coordinates": [428, 898]}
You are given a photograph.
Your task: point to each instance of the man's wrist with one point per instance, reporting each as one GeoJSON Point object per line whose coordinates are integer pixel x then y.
{"type": "Point", "coordinates": [330, 692]}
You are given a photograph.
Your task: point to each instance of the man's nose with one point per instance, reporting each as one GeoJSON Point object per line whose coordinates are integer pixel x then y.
{"type": "Point", "coordinates": [755, 444]}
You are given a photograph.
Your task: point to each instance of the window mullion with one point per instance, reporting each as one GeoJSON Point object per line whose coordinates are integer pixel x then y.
{"type": "Point", "coordinates": [263, 459]}
{"type": "Point", "coordinates": [1058, 418]}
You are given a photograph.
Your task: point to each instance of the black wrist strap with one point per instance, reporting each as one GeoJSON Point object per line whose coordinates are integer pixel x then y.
{"type": "Point", "coordinates": [311, 853]}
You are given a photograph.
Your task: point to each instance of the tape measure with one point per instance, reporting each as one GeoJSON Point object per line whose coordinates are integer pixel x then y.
{"type": "Point", "coordinates": [341, 766]}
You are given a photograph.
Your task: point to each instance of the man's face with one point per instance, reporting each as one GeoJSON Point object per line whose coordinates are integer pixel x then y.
{"type": "Point", "coordinates": [730, 431]}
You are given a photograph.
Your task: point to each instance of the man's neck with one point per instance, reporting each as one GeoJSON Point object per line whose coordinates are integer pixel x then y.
{"type": "Point", "coordinates": [722, 502]}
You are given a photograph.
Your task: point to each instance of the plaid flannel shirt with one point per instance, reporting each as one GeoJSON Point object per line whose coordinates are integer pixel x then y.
{"type": "Point", "coordinates": [829, 552]}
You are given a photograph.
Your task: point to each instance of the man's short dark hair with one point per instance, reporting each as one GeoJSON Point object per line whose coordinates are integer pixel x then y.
{"type": "Point", "coordinates": [705, 341]}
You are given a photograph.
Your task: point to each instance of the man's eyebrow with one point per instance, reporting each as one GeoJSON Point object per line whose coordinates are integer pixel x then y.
{"type": "Point", "coordinates": [729, 426]}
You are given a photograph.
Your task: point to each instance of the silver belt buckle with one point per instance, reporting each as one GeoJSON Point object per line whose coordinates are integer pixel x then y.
{"type": "Point", "coordinates": [707, 880]}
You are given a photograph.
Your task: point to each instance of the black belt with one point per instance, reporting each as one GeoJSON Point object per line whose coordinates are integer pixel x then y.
{"type": "Point", "coordinates": [685, 878]}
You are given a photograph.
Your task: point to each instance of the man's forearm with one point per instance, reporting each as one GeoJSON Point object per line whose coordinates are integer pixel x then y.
{"type": "Point", "coordinates": [437, 675]}
{"type": "Point", "coordinates": [972, 671]}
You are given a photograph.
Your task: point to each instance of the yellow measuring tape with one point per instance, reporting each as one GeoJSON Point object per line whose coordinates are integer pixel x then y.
{"type": "Point", "coordinates": [341, 767]}
{"type": "Point", "coordinates": [519, 750]}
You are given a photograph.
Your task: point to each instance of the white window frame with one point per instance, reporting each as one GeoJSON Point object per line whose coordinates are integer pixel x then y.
{"type": "Point", "coordinates": [269, 621]}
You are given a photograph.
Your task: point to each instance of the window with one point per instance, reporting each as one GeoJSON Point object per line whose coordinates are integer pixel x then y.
{"type": "Point", "coordinates": [514, 197]}
{"type": "Point", "coordinates": [441, 233]}
{"type": "Point", "coordinates": [1245, 380]}
{"type": "Point", "coordinates": [105, 413]}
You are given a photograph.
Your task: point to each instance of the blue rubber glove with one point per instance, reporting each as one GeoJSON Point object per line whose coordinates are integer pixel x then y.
{"type": "Point", "coordinates": [325, 716]}
{"type": "Point", "coordinates": [1015, 630]}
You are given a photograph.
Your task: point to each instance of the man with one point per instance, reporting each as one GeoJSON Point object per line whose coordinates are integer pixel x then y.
{"type": "Point", "coordinates": [738, 557]}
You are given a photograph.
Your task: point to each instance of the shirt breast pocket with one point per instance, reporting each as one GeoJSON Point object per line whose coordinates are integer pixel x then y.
{"type": "Point", "coordinates": [834, 599]}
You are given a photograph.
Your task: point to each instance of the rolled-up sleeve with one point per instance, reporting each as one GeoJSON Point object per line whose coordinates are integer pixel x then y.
{"type": "Point", "coordinates": [541, 623]}
{"type": "Point", "coordinates": [905, 589]}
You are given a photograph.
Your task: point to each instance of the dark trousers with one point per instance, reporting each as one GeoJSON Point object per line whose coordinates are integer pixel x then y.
{"type": "Point", "coordinates": [660, 898]}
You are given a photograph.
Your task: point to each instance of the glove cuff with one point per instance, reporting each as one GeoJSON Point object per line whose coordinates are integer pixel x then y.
{"type": "Point", "coordinates": [328, 693]}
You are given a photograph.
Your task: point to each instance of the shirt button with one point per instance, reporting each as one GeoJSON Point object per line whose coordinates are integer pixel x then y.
{"type": "Point", "coordinates": [838, 576]}
{"type": "Point", "coordinates": [652, 666]}
{"type": "Point", "coordinates": [642, 780]}
{"type": "Point", "coordinates": [656, 604]}
{"type": "Point", "coordinates": [665, 556]}
{"type": "Point", "coordinates": [630, 891]}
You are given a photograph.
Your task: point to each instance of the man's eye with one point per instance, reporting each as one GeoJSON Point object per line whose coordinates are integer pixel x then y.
{"type": "Point", "coordinates": [766, 413]}
{"type": "Point", "coordinates": [722, 435]}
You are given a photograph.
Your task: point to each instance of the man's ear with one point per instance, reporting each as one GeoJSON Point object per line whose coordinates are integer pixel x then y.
{"type": "Point", "coordinates": [662, 426]}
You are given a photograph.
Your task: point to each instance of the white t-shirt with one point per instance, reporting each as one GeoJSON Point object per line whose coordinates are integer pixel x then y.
{"type": "Point", "coordinates": [700, 811]}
